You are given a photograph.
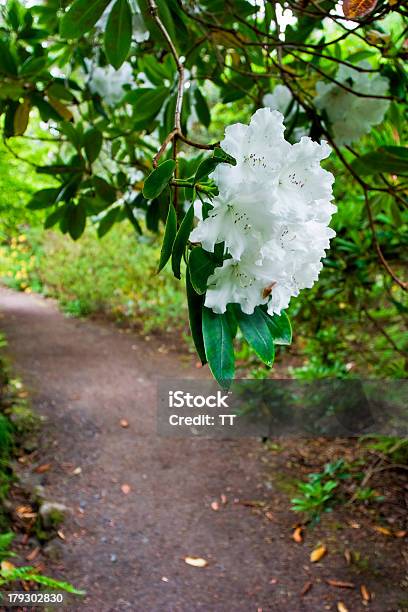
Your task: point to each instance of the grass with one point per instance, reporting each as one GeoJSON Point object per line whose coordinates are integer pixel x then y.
{"type": "Point", "coordinates": [115, 276]}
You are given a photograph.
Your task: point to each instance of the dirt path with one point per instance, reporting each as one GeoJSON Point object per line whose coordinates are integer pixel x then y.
{"type": "Point", "coordinates": [127, 550]}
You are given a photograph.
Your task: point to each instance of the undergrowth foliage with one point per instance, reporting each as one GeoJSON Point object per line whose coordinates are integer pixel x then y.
{"type": "Point", "coordinates": [138, 103]}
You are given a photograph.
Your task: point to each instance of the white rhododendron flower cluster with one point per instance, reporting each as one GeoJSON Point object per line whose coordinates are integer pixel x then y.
{"type": "Point", "coordinates": [351, 116]}
{"type": "Point", "coordinates": [109, 83]}
{"type": "Point", "coordinates": [272, 213]}
{"type": "Point", "coordinates": [280, 99]}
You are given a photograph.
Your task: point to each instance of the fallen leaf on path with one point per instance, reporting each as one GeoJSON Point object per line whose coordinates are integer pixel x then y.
{"type": "Point", "coordinates": [7, 566]}
{"type": "Point", "coordinates": [77, 471]}
{"type": "Point", "coordinates": [164, 579]}
{"type": "Point", "coordinates": [32, 555]}
{"type": "Point", "coordinates": [253, 503]}
{"type": "Point", "coordinates": [306, 588]}
{"type": "Point", "coordinates": [354, 525]}
{"type": "Point", "coordinates": [341, 607]}
{"type": "Point", "coordinates": [273, 581]}
{"type": "Point", "coordinates": [125, 488]}
{"type": "Point", "coordinates": [224, 499]}
{"type": "Point", "coordinates": [298, 535]}
{"type": "Point", "coordinates": [215, 506]}
{"type": "Point", "coordinates": [318, 553]}
{"type": "Point", "coordinates": [61, 534]}
{"type": "Point", "coordinates": [340, 584]}
{"type": "Point", "coordinates": [347, 556]}
{"type": "Point", "coordinates": [400, 534]}
{"type": "Point", "coordinates": [42, 468]}
{"type": "Point", "coordinates": [270, 516]}
{"type": "Point", "coordinates": [383, 530]}
{"type": "Point", "coordinates": [124, 423]}
{"type": "Point", "coordinates": [196, 561]}
{"type": "Point", "coordinates": [365, 593]}
{"type": "Point", "coordinates": [25, 512]}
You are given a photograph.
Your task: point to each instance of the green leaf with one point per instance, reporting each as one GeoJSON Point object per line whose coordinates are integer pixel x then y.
{"type": "Point", "coordinates": [32, 65]}
{"type": "Point", "coordinates": [201, 106]}
{"type": "Point", "coordinates": [195, 307]}
{"type": "Point", "coordinates": [201, 264]}
{"type": "Point", "coordinates": [76, 219]}
{"type": "Point", "coordinates": [107, 222]}
{"type": "Point", "coordinates": [104, 190]}
{"type": "Point", "coordinates": [158, 179]}
{"type": "Point", "coordinates": [207, 166]}
{"type": "Point", "coordinates": [57, 169]}
{"type": "Point", "coordinates": [146, 102]}
{"type": "Point", "coordinates": [256, 332]}
{"type": "Point", "coordinates": [169, 236]}
{"type": "Point", "coordinates": [81, 16]}
{"type": "Point", "coordinates": [279, 326]}
{"type": "Point", "coordinates": [181, 241]}
{"type": "Point", "coordinates": [54, 217]}
{"type": "Point", "coordinates": [218, 346]}
{"type": "Point", "coordinates": [93, 140]}
{"type": "Point", "coordinates": [43, 199]}
{"type": "Point", "coordinates": [385, 159]}
{"type": "Point", "coordinates": [118, 34]}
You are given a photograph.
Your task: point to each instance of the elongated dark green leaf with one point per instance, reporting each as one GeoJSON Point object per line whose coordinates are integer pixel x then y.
{"type": "Point", "coordinates": [107, 222]}
{"type": "Point", "coordinates": [203, 112]}
{"type": "Point", "coordinates": [93, 143]}
{"type": "Point", "coordinates": [218, 346]}
{"type": "Point", "coordinates": [385, 159]}
{"type": "Point", "coordinates": [207, 166]}
{"type": "Point", "coordinates": [118, 34]}
{"type": "Point", "coordinates": [201, 265]}
{"type": "Point", "coordinates": [181, 241]}
{"type": "Point", "coordinates": [57, 169]}
{"type": "Point", "coordinates": [146, 102]}
{"type": "Point", "coordinates": [169, 236]}
{"type": "Point", "coordinates": [104, 190]}
{"type": "Point", "coordinates": [54, 217]}
{"type": "Point", "coordinates": [279, 326]}
{"type": "Point", "coordinates": [76, 219]}
{"type": "Point", "coordinates": [257, 333]}
{"type": "Point", "coordinates": [43, 199]}
{"type": "Point", "coordinates": [81, 16]}
{"type": "Point", "coordinates": [195, 307]}
{"type": "Point", "coordinates": [158, 179]}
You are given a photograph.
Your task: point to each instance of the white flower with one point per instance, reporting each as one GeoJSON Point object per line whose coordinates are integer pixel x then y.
{"type": "Point", "coordinates": [272, 214]}
{"type": "Point", "coordinates": [279, 99]}
{"type": "Point", "coordinates": [351, 116]}
{"type": "Point", "coordinates": [109, 83]}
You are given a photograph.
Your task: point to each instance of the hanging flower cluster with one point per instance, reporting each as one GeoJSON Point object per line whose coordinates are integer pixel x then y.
{"type": "Point", "coordinates": [272, 213]}
{"type": "Point", "coordinates": [352, 116]}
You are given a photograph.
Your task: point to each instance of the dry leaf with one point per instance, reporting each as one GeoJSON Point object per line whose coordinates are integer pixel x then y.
{"type": "Point", "coordinates": [124, 423]}
{"type": "Point", "coordinates": [6, 566]}
{"type": "Point", "coordinates": [215, 506]}
{"type": "Point", "coordinates": [353, 9]}
{"type": "Point", "coordinates": [270, 516]}
{"type": "Point", "coordinates": [318, 553]}
{"type": "Point", "coordinates": [297, 535]}
{"type": "Point", "coordinates": [365, 594]}
{"type": "Point", "coordinates": [196, 561]}
{"type": "Point", "coordinates": [32, 555]}
{"type": "Point", "coordinates": [25, 512]}
{"type": "Point", "coordinates": [164, 579]}
{"type": "Point", "coordinates": [125, 488]}
{"type": "Point", "coordinates": [383, 530]}
{"type": "Point", "coordinates": [340, 583]}
{"type": "Point", "coordinates": [306, 588]}
{"type": "Point", "coordinates": [347, 556]}
{"type": "Point", "coordinates": [77, 471]}
{"type": "Point", "coordinates": [61, 534]}
{"type": "Point", "coordinates": [42, 468]}
{"type": "Point", "coordinates": [341, 607]}
{"type": "Point", "coordinates": [400, 534]}
{"type": "Point", "coordinates": [223, 498]}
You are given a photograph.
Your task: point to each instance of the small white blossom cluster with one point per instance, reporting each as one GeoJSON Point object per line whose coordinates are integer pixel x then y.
{"type": "Point", "coordinates": [272, 213]}
{"type": "Point", "coordinates": [351, 116]}
{"type": "Point", "coordinates": [109, 83]}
